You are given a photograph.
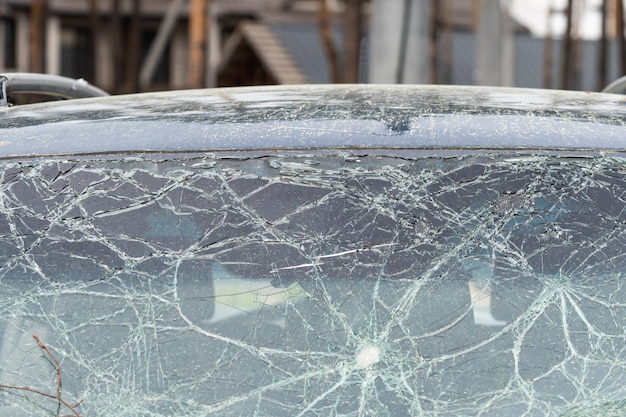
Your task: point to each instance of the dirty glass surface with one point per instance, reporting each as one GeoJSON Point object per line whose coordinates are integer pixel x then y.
{"type": "Point", "coordinates": [335, 116]}
{"type": "Point", "coordinates": [317, 284]}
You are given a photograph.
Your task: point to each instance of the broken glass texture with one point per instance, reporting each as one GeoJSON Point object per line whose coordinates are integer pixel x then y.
{"type": "Point", "coordinates": [298, 117]}
{"type": "Point", "coordinates": [319, 284]}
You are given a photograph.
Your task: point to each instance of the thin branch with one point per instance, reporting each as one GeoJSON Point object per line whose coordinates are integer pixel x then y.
{"type": "Point", "coordinates": [57, 396]}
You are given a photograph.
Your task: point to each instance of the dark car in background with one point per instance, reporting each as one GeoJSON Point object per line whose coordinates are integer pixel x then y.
{"type": "Point", "coordinates": [314, 251]}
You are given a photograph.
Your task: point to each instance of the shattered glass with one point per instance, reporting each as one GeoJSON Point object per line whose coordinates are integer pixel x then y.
{"type": "Point", "coordinates": [396, 283]}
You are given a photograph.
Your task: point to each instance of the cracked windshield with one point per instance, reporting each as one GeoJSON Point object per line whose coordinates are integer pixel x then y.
{"type": "Point", "coordinates": [317, 284]}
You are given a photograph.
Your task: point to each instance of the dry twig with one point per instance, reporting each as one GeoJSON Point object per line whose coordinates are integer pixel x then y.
{"type": "Point", "coordinates": [57, 396]}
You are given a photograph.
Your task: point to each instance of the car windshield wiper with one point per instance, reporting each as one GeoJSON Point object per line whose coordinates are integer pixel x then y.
{"type": "Point", "coordinates": [48, 85]}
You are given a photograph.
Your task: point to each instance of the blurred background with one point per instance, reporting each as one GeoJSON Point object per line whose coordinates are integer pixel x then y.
{"type": "Point", "coordinates": [128, 46]}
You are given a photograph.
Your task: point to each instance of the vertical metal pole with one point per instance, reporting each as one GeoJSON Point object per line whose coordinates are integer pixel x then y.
{"type": "Point", "coordinates": [603, 49]}
{"type": "Point", "coordinates": [94, 19]}
{"type": "Point", "coordinates": [52, 44]}
{"type": "Point", "coordinates": [507, 51]}
{"type": "Point", "coordinates": [489, 68]}
{"type": "Point", "coordinates": [352, 38]}
{"type": "Point", "coordinates": [208, 27]}
{"type": "Point", "coordinates": [197, 42]}
{"type": "Point", "coordinates": [117, 58]}
{"type": "Point", "coordinates": [327, 42]}
{"type": "Point", "coordinates": [548, 45]}
{"type": "Point", "coordinates": [37, 21]}
{"type": "Point", "coordinates": [134, 49]}
{"type": "Point", "coordinates": [3, 11]}
{"type": "Point", "coordinates": [213, 47]}
{"type": "Point", "coordinates": [619, 14]}
{"type": "Point", "coordinates": [404, 40]}
{"type": "Point", "coordinates": [446, 43]}
{"type": "Point", "coordinates": [435, 13]}
{"type": "Point", "coordinates": [577, 44]}
{"type": "Point", "coordinates": [567, 47]}
{"type": "Point", "coordinates": [397, 54]}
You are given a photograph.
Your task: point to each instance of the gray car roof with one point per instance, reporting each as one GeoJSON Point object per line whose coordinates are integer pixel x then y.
{"type": "Point", "coordinates": [307, 117]}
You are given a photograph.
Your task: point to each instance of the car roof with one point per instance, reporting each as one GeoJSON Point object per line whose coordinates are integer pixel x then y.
{"type": "Point", "coordinates": [318, 117]}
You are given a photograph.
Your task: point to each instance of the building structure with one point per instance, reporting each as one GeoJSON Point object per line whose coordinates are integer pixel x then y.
{"type": "Point", "coordinates": [108, 42]}
{"type": "Point", "coordinates": [142, 45]}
